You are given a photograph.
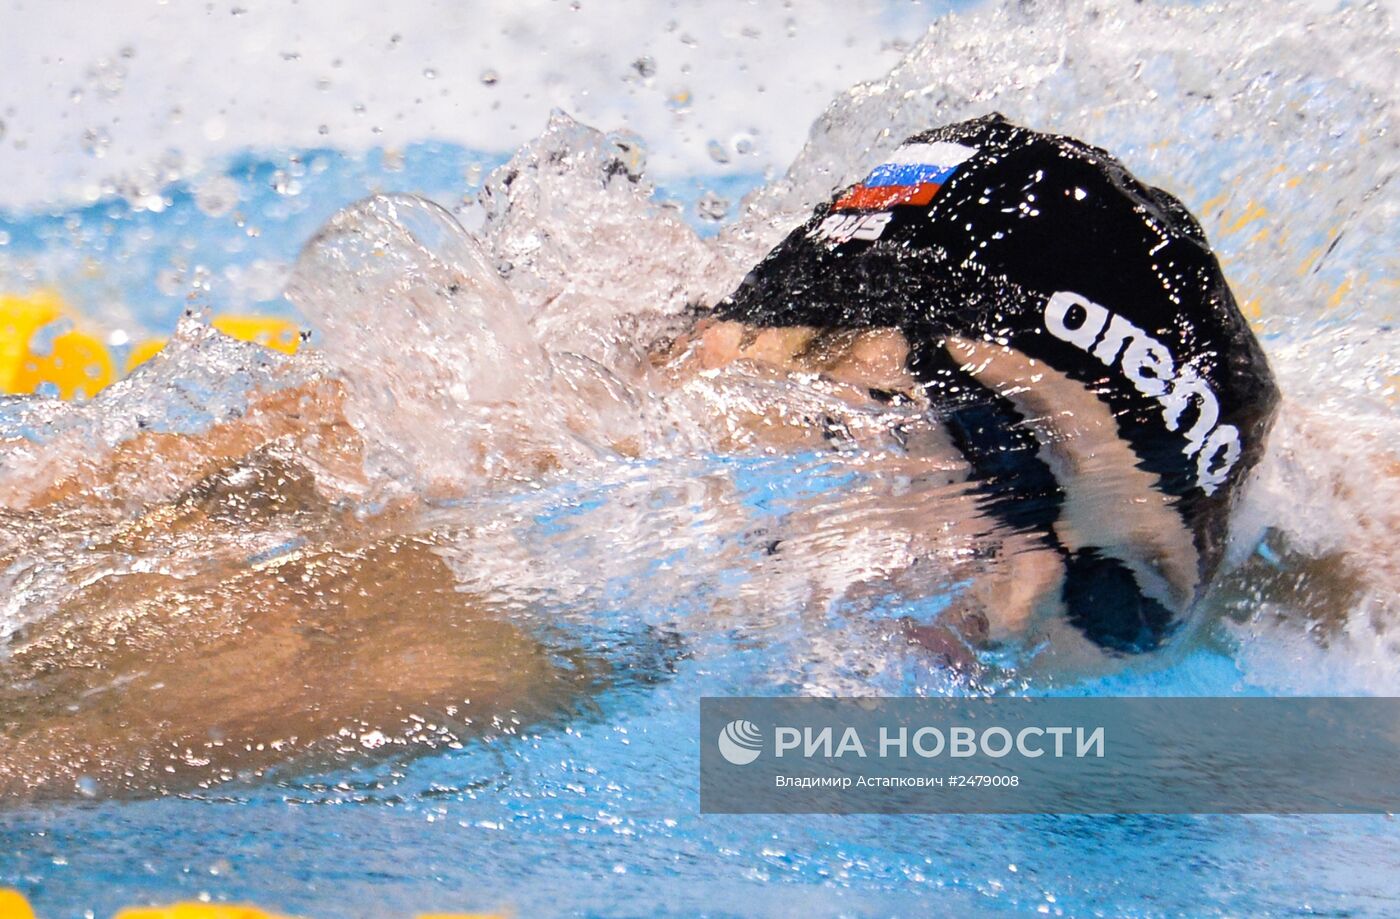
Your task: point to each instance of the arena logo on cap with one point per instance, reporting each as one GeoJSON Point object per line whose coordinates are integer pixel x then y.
{"type": "Point", "coordinates": [913, 174]}
{"type": "Point", "coordinates": [1152, 369]}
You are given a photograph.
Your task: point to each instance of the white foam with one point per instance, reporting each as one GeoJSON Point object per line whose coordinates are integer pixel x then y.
{"type": "Point", "coordinates": [85, 98]}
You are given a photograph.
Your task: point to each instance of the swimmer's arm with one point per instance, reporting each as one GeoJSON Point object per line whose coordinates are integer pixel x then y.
{"type": "Point", "coordinates": [1005, 595]}
{"type": "Point", "coordinates": [154, 683]}
{"type": "Point", "coordinates": [153, 467]}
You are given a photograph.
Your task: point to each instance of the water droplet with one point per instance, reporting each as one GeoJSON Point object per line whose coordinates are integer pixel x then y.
{"type": "Point", "coordinates": [2, 129]}
{"type": "Point", "coordinates": [88, 787]}
{"type": "Point", "coordinates": [95, 142]}
{"type": "Point", "coordinates": [743, 143]}
{"type": "Point", "coordinates": [645, 67]}
{"type": "Point", "coordinates": [217, 197]}
{"type": "Point", "coordinates": [711, 206]}
{"type": "Point", "coordinates": [285, 184]}
{"type": "Point", "coordinates": [489, 77]}
{"type": "Point", "coordinates": [170, 282]}
{"type": "Point", "coordinates": [323, 130]}
{"type": "Point", "coordinates": [107, 77]}
{"type": "Point", "coordinates": [679, 99]}
{"type": "Point", "coordinates": [717, 151]}
{"type": "Point", "coordinates": [631, 154]}
{"type": "Point", "coordinates": [429, 73]}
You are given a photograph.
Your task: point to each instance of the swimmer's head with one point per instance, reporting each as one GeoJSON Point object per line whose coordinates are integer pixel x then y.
{"type": "Point", "coordinates": [1047, 296]}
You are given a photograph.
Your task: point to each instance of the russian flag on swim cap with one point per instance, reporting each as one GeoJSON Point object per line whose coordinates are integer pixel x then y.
{"type": "Point", "coordinates": [913, 174]}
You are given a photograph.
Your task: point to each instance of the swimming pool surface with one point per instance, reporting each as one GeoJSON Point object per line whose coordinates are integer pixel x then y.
{"type": "Point", "coordinates": [595, 809]}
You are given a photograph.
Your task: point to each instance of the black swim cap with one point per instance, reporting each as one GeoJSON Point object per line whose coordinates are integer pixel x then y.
{"type": "Point", "coordinates": [991, 232]}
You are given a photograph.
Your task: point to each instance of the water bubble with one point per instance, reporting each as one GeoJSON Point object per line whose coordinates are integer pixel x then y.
{"type": "Point", "coordinates": [489, 77]}
{"type": "Point", "coordinates": [711, 206]}
{"type": "Point", "coordinates": [717, 151]}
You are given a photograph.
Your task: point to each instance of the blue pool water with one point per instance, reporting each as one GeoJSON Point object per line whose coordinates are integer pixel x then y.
{"type": "Point", "coordinates": [597, 812]}
{"type": "Point", "coordinates": [601, 818]}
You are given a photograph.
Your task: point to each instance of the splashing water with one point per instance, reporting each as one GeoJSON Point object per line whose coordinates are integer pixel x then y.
{"type": "Point", "coordinates": [486, 456]}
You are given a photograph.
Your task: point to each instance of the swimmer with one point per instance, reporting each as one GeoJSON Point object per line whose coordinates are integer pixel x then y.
{"type": "Point", "coordinates": [1056, 336]}
{"type": "Point", "coordinates": [1073, 340]}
